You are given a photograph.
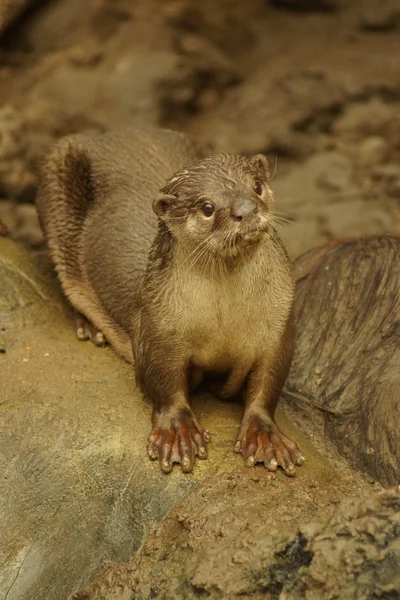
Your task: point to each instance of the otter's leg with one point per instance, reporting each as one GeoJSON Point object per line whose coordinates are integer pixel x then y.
{"type": "Point", "coordinates": [164, 376]}
{"type": "Point", "coordinates": [85, 330]}
{"type": "Point", "coordinates": [196, 375]}
{"type": "Point", "coordinates": [259, 438]}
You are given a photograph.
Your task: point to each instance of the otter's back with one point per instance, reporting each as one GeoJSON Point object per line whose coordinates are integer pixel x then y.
{"type": "Point", "coordinates": [128, 170]}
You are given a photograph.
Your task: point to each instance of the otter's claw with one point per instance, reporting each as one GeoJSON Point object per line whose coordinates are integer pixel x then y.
{"type": "Point", "coordinates": [260, 441]}
{"type": "Point", "coordinates": [177, 437]}
{"type": "Point", "coordinates": [86, 331]}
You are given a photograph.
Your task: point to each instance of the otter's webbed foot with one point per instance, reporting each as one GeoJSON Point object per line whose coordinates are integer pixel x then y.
{"type": "Point", "coordinates": [86, 331]}
{"type": "Point", "coordinates": [177, 437]}
{"type": "Point", "coordinates": [260, 441]}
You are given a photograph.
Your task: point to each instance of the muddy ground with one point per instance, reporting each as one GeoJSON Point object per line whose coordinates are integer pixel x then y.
{"type": "Point", "coordinates": [314, 84]}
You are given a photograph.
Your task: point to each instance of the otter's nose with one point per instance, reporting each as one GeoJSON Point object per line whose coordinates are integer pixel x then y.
{"type": "Point", "coordinates": [243, 208]}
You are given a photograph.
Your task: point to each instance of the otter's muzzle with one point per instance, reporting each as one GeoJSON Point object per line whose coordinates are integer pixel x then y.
{"type": "Point", "coordinates": [243, 209]}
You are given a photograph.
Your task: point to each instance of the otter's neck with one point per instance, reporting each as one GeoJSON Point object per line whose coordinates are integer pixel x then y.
{"type": "Point", "coordinates": [167, 255]}
{"type": "Point", "coordinates": [162, 249]}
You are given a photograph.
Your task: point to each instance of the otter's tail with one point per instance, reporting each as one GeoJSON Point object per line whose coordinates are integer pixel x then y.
{"type": "Point", "coordinates": [64, 196]}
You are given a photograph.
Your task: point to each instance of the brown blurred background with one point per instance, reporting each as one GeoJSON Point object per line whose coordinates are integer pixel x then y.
{"type": "Point", "coordinates": [315, 84]}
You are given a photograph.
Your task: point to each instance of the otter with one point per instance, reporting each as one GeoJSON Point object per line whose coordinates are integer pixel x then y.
{"type": "Point", "coordinates": [169, 253]}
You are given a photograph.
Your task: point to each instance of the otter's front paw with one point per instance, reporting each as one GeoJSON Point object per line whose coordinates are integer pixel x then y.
{"type": "Point", "coordinates": [260, 441]}
{"type": "Point", "coordinates": [177, 437]}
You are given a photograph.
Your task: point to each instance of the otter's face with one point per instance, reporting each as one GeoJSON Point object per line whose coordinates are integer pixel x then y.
{"type": "Point", "coordinates": [220, 206]}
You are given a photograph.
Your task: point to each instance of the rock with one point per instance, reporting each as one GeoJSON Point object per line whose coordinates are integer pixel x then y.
{"type": "Point", "coordinates": [387, 172]}
{"type": "Point", "coordinates": [57, 25]}
{"type": "Point", "coordinates": [3, 229]}
{"type": "Point", "coordinates": [264, 112]}
{"type": "Point", "coordinates": [337, 175]}
{"type": "Point", "coordinates": [313, 192]}
{"type": "Point", "coordinates": [326, 197]}
{"type": "Point", "coordinates": [372, 118]}
{"type": "Point", "coordinates": [349, 337]}
{"type": "Point", "coordinates": [87, 55]}
{"type": "Point", "coordinates": [27, 230]}
{"type": "Point", "coordinates": [374, 150]}
{"type": "Point", "coordinates": [370, 528]}
{"type": "Point", "coordinates": [388, 175]}
{"type": "Point", "coordinates": [227, 27]}
{"type": "Point", "coordinates": [384, 17]}
{"type": "Point", "coordinates": [25, 135]}
{"type": "Point", "coordinates": [183, 15]}
{"type": "Point", "coordinates": [15, 179]}
{"type": "Point", "coordinates": [328, 170]}
{"type": "Point", "coordinates": [393, 188]}
{"type": "Point", "coordinates": [22, 223]}
{"type": "Point", "coordinates": [8, 214]}
{"type": "Point", "coordinates": [306, 5]}
{"type": "Point", "coordinates": [202, 76]}
{"type": "Point", "coordinates": [342, 219]}
{"type": "Point", "coordinates": [10, 10]}
{"type": "Point", "coordinates": [209, 546]}
{"type": "Point", "coordinates": [11, 131]}
{"type": "Point", "coordinates": [76, 486]}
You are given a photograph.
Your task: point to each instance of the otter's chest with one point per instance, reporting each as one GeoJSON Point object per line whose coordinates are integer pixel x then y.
{"type": "Point", "coordinates": [224, 322]}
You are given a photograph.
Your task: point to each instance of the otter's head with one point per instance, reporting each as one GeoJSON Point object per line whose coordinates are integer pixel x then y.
{"type": "Point", "coordinates": [220, 205]}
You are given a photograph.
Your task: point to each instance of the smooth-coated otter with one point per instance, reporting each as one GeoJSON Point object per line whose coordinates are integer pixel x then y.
{"type": "Point", "coordinates": [204, 289]}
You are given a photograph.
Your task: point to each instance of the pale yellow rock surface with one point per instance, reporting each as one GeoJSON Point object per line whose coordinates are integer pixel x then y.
{"type": "Point", "coordinates": [77, 488]}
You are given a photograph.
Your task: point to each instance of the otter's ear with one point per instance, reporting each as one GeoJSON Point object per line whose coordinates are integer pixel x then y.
{"type": "Point", "coordinates": [260, 164]}
{"type": "Point", "coordinates": [162, 205]}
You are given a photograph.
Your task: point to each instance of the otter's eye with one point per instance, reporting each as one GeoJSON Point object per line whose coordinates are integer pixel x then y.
{"type": "Point", "coordinates": [257, 187]}
{"type": "Point", "coordinates": [207, 209]}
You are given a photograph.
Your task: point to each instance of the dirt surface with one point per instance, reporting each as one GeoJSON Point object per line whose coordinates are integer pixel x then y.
{"type": "Point", "coordinates": [229, 539]}
{"type": "Point", "coordinates": [238, 535]}
{"type": "Point", "coordinates": [77, 489]}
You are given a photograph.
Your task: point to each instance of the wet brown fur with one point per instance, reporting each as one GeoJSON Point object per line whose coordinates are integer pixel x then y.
{"type": "Point", "coordinates": [137, 278]}
{"type": "Point", "coordinates": [83, 181]}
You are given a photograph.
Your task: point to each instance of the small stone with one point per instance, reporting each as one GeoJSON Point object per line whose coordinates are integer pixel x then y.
{"type": "Point", "coordinates": [372, 118]}
{"type": "Point", "coordinates": [86, 56]}
{"type": "Point", "coordinates": [384, 17]}
{"type": "Point", "coordinates": [337, 175]}
{"type": "Point", "coordinates": [27, 230]}
{"type": "Point", "coordinates": [389, 176]}
{"type": "Point", "coordinates": [10, 11]}
{"type": "Point", "coordinates": [373, 150]}
{"type": "Point", "coordinates": [3, 229]}
{"type": "Point", "coordinates": [344, 218]}
{"type": "Point", "coordinates": [11, 129]}
{"type": "Point", "coordinates": [182, 15]}
{"type": "Point", "coordinates": [393, 188]}
{"type": "Point", "coordinates": [306, 5]}
{"type": "Point", "coordinates": [387, 172]}
{"type": "Point", "coordinates": [208, 99]}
